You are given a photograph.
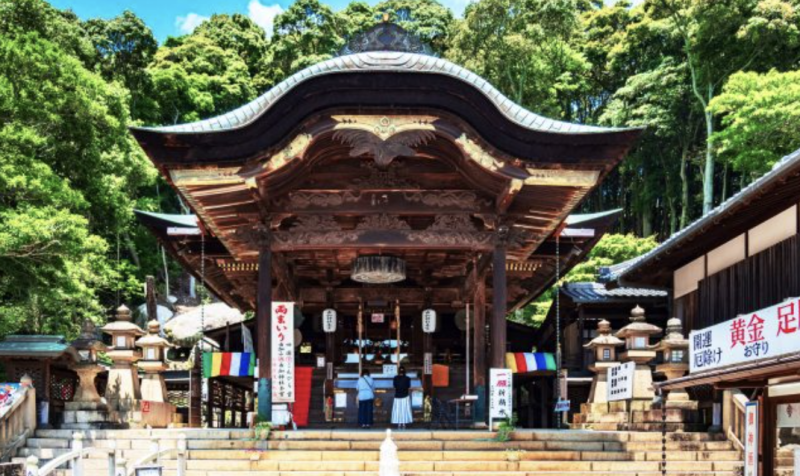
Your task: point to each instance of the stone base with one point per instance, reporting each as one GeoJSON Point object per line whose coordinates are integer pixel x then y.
{"type": "Point", "coordinates": [98, 417]}
{"type": "Point", "coordinates": [637, 415]}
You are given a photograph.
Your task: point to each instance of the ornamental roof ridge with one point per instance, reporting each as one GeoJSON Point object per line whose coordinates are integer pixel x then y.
{"type": "Point", "coordinates": [381, 61]}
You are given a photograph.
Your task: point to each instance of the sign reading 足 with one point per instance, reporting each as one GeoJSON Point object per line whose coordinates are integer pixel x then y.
{"type": "Point", "coordinates": [500, 388]}
{"type": "Point", "coordinates": [620, 382]}
{"type": "Point", "coordinates": [751, 439]}
{"type": "Point", "coordinates": [282, 330]}
{"type": "Point", "coordinates": [768, 332]}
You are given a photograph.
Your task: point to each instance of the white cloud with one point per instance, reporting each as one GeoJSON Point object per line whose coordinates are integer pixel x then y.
{"type": "Point", "coordinates": [263, 15]}
{"type": "Point", "coordinates": [188, 23]}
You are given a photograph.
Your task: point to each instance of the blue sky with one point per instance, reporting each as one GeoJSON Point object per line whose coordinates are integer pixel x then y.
{"type": "Point", "coordinates": [175, 17]}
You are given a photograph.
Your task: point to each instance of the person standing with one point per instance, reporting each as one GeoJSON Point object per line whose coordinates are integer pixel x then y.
{"type": "Point", "coordinates": [366, 399]}
{"type": "Point", "coordinates": [401, 409]}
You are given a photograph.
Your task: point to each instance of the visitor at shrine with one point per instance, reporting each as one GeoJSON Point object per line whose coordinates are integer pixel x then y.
{"type": "Point", "coordinates": [366, 398]}
{"type": "Point", "coordinates": [401, 410]}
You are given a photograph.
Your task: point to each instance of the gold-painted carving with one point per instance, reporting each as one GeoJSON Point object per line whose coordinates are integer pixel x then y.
{"type": "Point", "coordinates": [382, 221]}
{"type": "Point", "coordinates": [477, 154]}
{"type": "Point", "coordinates": [383, 137]}
{"type": "Point", "coordinates": [562, 178]}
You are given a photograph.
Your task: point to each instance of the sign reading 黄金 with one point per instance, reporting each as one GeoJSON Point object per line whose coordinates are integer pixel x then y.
{"type": "Point", "coordinates": [500, 388]}
{"type": "Point", "coordinates": [768, 332]}
{"type": "Point", "coordinates": [282, 334]}
{"type": "Point", "coordinates": [751, 439]}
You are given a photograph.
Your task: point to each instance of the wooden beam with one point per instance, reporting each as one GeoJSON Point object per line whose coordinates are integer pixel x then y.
{"type": "Point", "coordinates": [359, 202]}
{"type": "Point", "coordinates": [508, 195]}
{"type": "Point", "coordinates": [406, 239]}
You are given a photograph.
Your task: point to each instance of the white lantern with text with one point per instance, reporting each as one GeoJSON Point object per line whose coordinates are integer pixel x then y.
{"type": "Point", "coordinates": [329, 320]}
{"type": "Point", "coordinates": [429, 321]}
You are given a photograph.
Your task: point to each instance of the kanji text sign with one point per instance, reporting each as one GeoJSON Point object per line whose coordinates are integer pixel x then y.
{"type": "Point", "coordinates": [751, 439]}
{"type": "Point", "coordinates": [282, 352]}
{"type": "Point", "coordinates": [620, 382]}
{"type": "Point", "coordinates": [500, 388]}
{"type": "Point", "coordinates": [768, 332]}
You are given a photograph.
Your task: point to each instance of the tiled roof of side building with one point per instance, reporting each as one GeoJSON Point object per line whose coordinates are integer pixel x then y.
{"type": "Point", "coordinates": [597, 293]}
{"type": "Point", "coordinates": [382, 61]}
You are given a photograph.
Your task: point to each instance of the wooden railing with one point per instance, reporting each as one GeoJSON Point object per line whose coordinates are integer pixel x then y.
{"type": "Point", "coordinates": [17, 422]}
{"type": "Point", "coordinates": [737, 426]}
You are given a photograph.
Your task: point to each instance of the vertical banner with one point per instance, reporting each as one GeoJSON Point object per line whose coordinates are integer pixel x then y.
{"type": "Point", "coordinates": [282, 334]}
{"type": "Point", "coordinates": [751, 439]}
{"type": "Point", "coordinates": [427, 366]}
{"type": "Point", "coordinates": [500, 397]}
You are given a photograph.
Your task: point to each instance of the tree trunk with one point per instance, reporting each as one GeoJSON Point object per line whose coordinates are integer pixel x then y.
{"type": "Point", "coordinates": [684, 188]}
{"type": "Point", "coordinates": [708, 178]}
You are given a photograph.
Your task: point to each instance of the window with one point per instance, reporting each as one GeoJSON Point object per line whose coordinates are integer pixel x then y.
{"type": "Point", "coordinates": [121, 342]}
{"type": "Point", "coordinates": [151, 354]}
{"type": "Point", "coordinates": [677, 356]}
{"type": "Point", "coordinates": [639, 342]}
{"type": "Point", "coordinates": [606, 354]}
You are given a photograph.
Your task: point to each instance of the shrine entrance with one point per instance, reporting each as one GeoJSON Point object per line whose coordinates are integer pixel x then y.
{"type": "Point", "coordinates": [379, 185]}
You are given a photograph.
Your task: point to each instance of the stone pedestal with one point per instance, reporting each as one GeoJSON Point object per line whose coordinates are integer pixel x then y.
{"type": "Point", "coordinates": [599, 390]}
{"type": "Point", "coordinates": [85, 415]}
{"type": "Point", "coordinates": [154, 389]}
{"type": "Point", "coordinates": [86, 391]}
{"type": "Point", "coordinates": [123, 391]}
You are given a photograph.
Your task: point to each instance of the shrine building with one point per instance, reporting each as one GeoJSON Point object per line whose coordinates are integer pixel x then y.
{"type": "Point", "coordinates": [397, 207]}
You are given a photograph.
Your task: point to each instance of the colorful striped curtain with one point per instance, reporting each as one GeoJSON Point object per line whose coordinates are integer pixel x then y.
{"type": "Point", "coordinates": [233, 364]}
{"type": "Point", "coordinates": [521, 362]}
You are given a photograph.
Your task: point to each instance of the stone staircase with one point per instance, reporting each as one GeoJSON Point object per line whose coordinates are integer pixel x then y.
{"type": "Point", "coordinates": [421, 452]}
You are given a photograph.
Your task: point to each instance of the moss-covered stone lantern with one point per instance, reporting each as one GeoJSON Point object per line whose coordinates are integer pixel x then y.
{"type": "Point", "coordinates": [605, 351]}
{"type": "Point", "coordinates": [637, 349]}
{"type": "Point", "coordinates": [122, 390]}
{"type": "Point", "coordinates": [154, 348]}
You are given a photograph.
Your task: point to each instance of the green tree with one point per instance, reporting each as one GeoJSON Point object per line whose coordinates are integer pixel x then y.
{"type": "Point", "coordinates": [524, 48]}
{"type": "Point", "coordinates": [126, 46]}
{"type": "Point", "coordinates": [69, 177]}
{"type": "Point", "coordinates": [721, 37]}
{"type": "Point", "coordinates": [611, 249]}
{"type": "Point", "coordinates": [307, 33]}
{"type": "Point", "coordinates": [760, 120]}
{"type": "Point", "coordinates": [241, 35]}
{"type": "Point", "coordinates": [196, 79]}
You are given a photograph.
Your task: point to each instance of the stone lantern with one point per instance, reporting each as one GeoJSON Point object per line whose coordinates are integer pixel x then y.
{"type": "Point", "coordinates": [122, 390]}
{"type": "Point", "coordinates": [675, 350]}
{"type": "Point", "coordinates": [154, 348]}
{"type": "Point", "coordinates": [87, 345]}
{"type": "Point", "coordinates": [637, 349]}
{"type": "Point", "coordinates": [604, 346]}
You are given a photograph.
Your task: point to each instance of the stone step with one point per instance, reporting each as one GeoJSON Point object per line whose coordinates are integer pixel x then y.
{"type": "Point", "coordinates": [415, 435]}
{"type": "Point", "coordinates": [428, 473]}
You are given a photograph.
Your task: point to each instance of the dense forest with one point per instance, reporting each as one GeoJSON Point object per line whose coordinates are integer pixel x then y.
{"type": "Point", "coordinates": [716, 83]}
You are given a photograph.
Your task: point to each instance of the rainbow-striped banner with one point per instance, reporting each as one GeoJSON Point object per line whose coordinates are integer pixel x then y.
{"type": "Point", "coordinates": [233, 364]}
{"type": "Point", "coordinates": [523, 362]}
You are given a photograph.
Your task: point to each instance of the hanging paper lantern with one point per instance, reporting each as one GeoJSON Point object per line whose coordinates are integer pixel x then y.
{"type": "Point", "coordinates": [461, 320]}
{"type": "Point", "coordinates": [329, 320]}
{"type": "Point", "coordinates": [378, 269]}
{"type": "Point", "coordinates": [429, 321]}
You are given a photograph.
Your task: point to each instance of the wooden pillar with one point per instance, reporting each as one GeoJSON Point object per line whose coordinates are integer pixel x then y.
{"type": "Point", "coordinates": [499, 306]}
{"type": "Point", "coordinates": [479, 336]}
{"type": "Point", "coordinates": [196, 393]}
{"type": "Point", "coordinates": [212, 384]}
{"type": "Point", "coordinates": [263, 351]}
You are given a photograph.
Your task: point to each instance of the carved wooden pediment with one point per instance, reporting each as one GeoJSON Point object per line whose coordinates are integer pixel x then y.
{"type": "Point", "coordinates": [382, 137]}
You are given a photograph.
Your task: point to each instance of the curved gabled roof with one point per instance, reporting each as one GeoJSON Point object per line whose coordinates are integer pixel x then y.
{"type": "Point", "coordinates": [383, 62]}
